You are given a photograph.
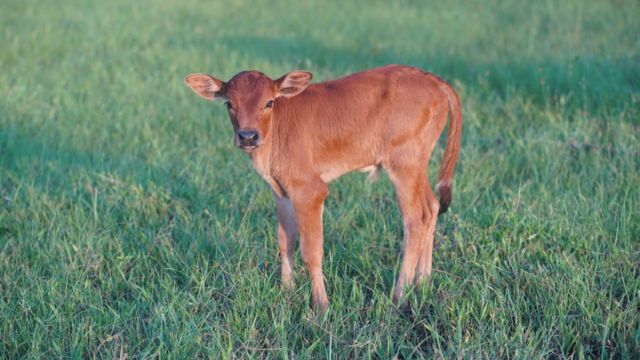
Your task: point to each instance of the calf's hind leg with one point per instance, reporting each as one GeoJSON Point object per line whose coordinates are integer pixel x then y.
{"type": "Point", "coordinates": [423, 271]}
{"type": "Point", "coordinates": [411, 188]}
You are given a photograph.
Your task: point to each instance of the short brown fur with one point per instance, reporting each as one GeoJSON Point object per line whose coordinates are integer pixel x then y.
{"type": "Point", "coordinates": [309, 134]}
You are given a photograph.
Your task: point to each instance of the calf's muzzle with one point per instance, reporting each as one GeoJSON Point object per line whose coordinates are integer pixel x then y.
{"type": "Point", "coordinates": [247, 138]}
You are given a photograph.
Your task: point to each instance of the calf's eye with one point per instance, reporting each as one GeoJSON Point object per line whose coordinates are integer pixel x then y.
{"type": "Point", "coordinates": [228, 105]}
{"type": "Point", "coordinates": [269, 104]}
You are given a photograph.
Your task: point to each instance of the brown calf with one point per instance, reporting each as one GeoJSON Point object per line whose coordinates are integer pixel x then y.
{"type": "Point", "coordinates": [300, 136]}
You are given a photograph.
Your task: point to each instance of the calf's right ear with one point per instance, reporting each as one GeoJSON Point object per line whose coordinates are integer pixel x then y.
{"type": "Point", "coordinates": [205, 86]}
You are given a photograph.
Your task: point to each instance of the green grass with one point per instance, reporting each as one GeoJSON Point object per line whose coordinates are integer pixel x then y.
{"type": "Point", "coordinates": [130, 225]}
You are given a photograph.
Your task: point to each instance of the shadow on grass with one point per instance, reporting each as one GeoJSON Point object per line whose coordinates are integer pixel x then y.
{"type": "Point", "coordinates": [589, 82]}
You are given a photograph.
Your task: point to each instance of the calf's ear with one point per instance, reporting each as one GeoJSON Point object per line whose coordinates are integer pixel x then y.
{"type": "Point", "coordinates": [205, 86]}
{"type": "Point", "coordinates": [293, 83]}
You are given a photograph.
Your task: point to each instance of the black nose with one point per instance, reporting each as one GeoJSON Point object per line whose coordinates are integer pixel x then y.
{"type": "Point", "coordinates": [247, 137]}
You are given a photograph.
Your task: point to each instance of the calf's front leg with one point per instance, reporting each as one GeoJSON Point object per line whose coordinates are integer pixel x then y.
{"type": "Point", "coordinates": [287, 233]}
{"type": "Point", "coordinates": [308, 202]}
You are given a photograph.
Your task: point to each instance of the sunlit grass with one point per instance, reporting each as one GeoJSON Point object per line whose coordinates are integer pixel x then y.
{"type": "Point", "coordinates": [130, 225]}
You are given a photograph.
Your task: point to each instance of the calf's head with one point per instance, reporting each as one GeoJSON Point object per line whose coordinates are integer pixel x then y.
{"type": "Point", "coordinates": [251, 98]}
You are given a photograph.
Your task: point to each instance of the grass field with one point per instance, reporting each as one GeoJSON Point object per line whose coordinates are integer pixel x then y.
{"type": "Point", "coordinates": [130, 225]}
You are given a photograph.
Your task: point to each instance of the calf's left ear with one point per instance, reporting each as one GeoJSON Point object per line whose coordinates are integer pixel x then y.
{"type": "Point", "coordinates": [205, 86]}
{"type": "Point", "coordinates": [293, 83]}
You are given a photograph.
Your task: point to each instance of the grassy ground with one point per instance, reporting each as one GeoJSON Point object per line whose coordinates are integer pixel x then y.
{"type": "Point", "coordinates": [130, 225]}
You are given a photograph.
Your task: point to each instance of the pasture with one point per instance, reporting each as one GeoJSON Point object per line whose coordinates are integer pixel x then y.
{"type": "Point", "coordinates": [131, 226]}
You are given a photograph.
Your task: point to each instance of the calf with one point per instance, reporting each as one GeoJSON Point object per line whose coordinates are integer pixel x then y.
{"type": "Point", "coordinates": [300, 136]}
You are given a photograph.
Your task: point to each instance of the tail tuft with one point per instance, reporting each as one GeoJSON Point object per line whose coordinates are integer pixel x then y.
{"type": "Point", "coordinates": [444, 190]}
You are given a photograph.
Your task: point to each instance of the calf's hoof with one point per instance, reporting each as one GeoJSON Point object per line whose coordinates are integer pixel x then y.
{"type": "Point", "coordinates": [320, 307]}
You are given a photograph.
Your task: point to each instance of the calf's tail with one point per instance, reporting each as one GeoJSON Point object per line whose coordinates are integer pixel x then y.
{"type": "Point", "coordinates": [452, 149]}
